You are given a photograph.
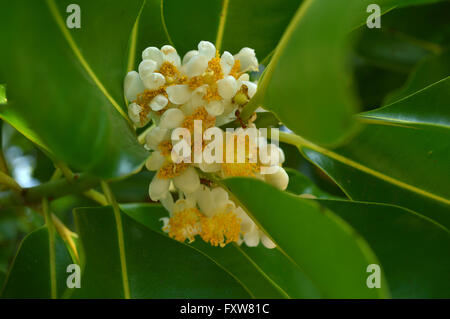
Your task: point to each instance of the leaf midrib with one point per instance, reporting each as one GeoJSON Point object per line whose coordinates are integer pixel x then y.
{"type": "Point", "coordinates": [72, 44]}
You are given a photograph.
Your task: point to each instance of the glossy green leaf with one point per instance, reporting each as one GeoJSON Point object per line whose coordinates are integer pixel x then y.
{"type": "Point", "coordinates": [300, 184]}
{"type": "Point", "coordinates": [231, 24]}
{"type": "Point", "coordinates": [413, 250]}
{"type": "Point", "coordinates": [308, 83]}
{"type": "Point", "coordinates": [257, 268]}
{"type": "Point", "coordinates": [401, 157]}
{"type": "Point", "coordinates": [325, 247]}
{"type": "Point", "coordinates": [429, 71]}
{"type": "Point", "coordinates": [29, 275]}
{"type": "Point", "coordinates": [65, 85]}
{"type": "Point", "coordinates": [384, 58]}
{"type": "Point", "coordinates": [152, 266]}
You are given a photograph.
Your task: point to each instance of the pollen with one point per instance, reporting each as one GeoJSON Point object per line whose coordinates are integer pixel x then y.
{"type": "Point", "coordinates": [235, 69]}
{"type": "Point", "coordinates": [185, 224]}
{"type": "Point", "coordinates": [235, 166]}
{"type": "Point", "coordinates": [212, 94]}
{"type": "Point", "coordinates": [196, 82]}
{"type": "Point", "coordinates": [199, 114]}
{"type": "Point", "coordinates": [221, 229]}
{"type": "Point", "coordinates": [144, 98]}
{"type": "Point", "coordinates": [171, 170]}
{"type": "Point", "coordinates": [168, 70]}
{"type": "Point", "coordinates": [214, 66]}
{"type": "Point", "coordinates": [166, 148]}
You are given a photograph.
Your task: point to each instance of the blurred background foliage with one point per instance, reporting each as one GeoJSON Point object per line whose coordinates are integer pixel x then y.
{"type": "Point", "coordinates": [409, 52]}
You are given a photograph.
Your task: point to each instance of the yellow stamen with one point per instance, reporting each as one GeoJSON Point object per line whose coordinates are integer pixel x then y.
{"type": "Point", "coordinates": [234, 166]}
{"type": "Point", "coordinates": [185, 225]}
{"type": "Point", "coordinates": [199, 114]}
{"type": "Point", "coordinates": [171, 170]}
{"type": "Point", "coordinates": [166, 148]}
{"type": "Point", "coordinates": [235, 69]}
{"type": "Point", "coordinates": [221, 229]}
{"type": "Point", "coordinates": [144, 98]}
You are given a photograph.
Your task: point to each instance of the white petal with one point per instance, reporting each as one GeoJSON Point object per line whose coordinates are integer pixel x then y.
{"type": "Point", "coordinates": [133, 113]}
{"type": "Point", "coordinates": [267, 242]}
{"type": "Point", "coordinates": [248, 60]}
{"type": "Point", "coordinates": [220, 196]}
{"type": "Point", "coordinates": [196, 65]}
{"type": "Point", "coordinates": [153, 53]}
{"type": "Point", "coordinates": [171, 55]}
{"type": "Point", "coordinates": [226, 62]}
{"type": "Point", "coordinates": [158, 102]}
{"type": "Point", "coordinates": [167, 202]}
{"type": "Point", "coordinates": [214, 108]}
{"type": "Point", "coordinates": [251, 88]}
{"type": "Point", "coordinates": [188, 182]}
{"type": "Point", "coordinates": [227, 87]}
{"type": "Point", "coordinates": [153, 80]}
{"type": "Point", "coordinates": [279, 179]}
{"type": "Point", "coordinates": [155, 136]}
{"type": "Point", "coordinates": [269, 154]}
{"type": "Point", "coordinates": [189, 55]}
{"type": "Point", "coordinates": [171, 118]}
{"type": "Point", "coordinates": [158, 188]}
{"type": "Point", "coordinates": [244, 77]}
{"type": "Point", "coordinates": [179, 94]}
{"type": "Point", "coordinates": [146, 68]}
{"type": "Point", "coordinates": [207, 49]}
{"type": "Point", "coordinates": [205, 200]}
{"type": "Point", "coordinates": [247, 224]}
{"type": "Point", "coordinates": [132, 85]}
{"type": "Point", "coordinates": [155, 161]}
{"type": "Point", "coordinates": [251, 238]}
{"type": "Point", "coordinates": [165, 226]}
{"type": "Point", "coordinates": [209, 167]}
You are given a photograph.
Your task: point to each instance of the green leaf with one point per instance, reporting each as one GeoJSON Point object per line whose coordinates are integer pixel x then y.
{"type": "Point", "coordinates": [328, 250]}
{"type": "Point", "coordinates": [153, 266]}
{"type": "Point", "coordinates": [308, 83]}
{"type": "Point", "coordinates": [401, 157]}
{"type": "Point", "coordinates": [257, 268]}
{"type": "Point", "coordinates": [67, 97]}
{"type": "Point", "coordinates": [2, 94]}
{"type": "Point", "coordinates": [29, 275]}
{"type": "Point", "coordinates": [231, 24]}
{"type": "Point", "coordinates": [412, 249]}
{"type": "Point", "coordinates": [300, 184]}
{"type": "Point", "coordinates": [429, 71]}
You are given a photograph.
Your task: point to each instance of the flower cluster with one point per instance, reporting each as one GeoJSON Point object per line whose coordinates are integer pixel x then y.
{"type": "Point", "coordinates": [208, 88]}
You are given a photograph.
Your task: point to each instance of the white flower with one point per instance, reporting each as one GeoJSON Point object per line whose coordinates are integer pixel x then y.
{"type": "Point", "coordinates": [251, 234]}
{"type": "Point", "coordinates": [215, 108]}
{"type": "Point", "coordinates": [155, 161]}
{"type": "Point", "coordinates": [251, 88]}
{"type": "Point", "coordinates": [155, 136]}
{"type": "Point", "coordinates": [279, 179]}
{"type": "Point", "coordinates": [226, 62]}
{"type": "Point", "coordinates": [171, 55]}
{"type": "Point", "coordinates": [153, 81]}
{"type": "Point", "coordinates": [134, 111]}
{"type": "Point", "coordinates": [188, 182]}
{"type": "Point", "coordinates": [207, 49]}
{"type": "Point", "coordinates": [158, 102]}
{"type": "Point", "coordinates": [188, 56]}
{"type": "Point", "coordinates": [196, 65]}
{"type": "Point", "coordinates": [171, 118]}
{"type": "Point", "coordinates": [179, 94]}
{"type": "Point", "coordinates": [153, 53]}
{"type": "Point", "coordinates": [132, 85]}
{"type": "Point", "coordinates": [227, 87]}
{"type": "Point", "coordinates": [248, 60]}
